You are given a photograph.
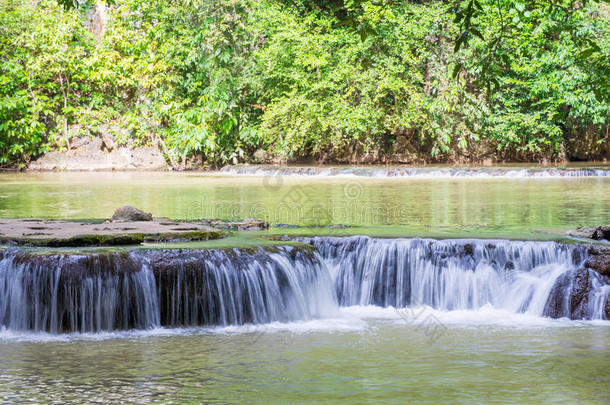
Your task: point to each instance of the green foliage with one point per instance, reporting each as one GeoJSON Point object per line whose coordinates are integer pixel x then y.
{"type": "Point", "coordinates": [186, 70]}
{"type": "Point", "coordinates": [544, 85]}
{"type": "Point", "coordinates": [331, 79]}
{"type": "Point", "coordinates": [41, 72]}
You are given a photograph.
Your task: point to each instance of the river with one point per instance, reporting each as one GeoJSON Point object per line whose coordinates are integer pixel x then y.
{"type": "Point", "coordinates": [466, 345]}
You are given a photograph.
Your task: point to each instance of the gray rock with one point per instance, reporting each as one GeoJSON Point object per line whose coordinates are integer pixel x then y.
{"type": "Point", "coordinates": [261, 156]}
{"type": "Point", "coordinates": [108, 139]}
{"type": "Point", "coordinates": [129, 213]}
{"type": "Point", "coordinates": [92, 147]}
{"type": "Point", "coordinates": [79, 142]}
{"type": "Point", "coordinates": [147, 158]}
{"type": "Point", "coordinates": [248, 224]}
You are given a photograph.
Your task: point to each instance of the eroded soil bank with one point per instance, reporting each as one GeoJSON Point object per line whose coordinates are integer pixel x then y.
{"type": "Point", "coordinates": [103, 153]}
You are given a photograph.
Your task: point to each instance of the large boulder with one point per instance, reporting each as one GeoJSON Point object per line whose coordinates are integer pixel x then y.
{"type": "Point", "coordinates": [129, 213]}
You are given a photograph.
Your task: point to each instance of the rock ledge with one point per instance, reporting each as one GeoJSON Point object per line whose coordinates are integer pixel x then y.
{"type": "Point", "coordinates": [50, 233]}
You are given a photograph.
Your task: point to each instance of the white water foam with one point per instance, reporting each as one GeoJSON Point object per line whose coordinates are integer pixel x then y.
{"type": "Point", "coordinates": [354, 319]}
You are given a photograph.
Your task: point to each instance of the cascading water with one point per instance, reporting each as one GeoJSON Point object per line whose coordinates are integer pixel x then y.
{"type": "Point", "coordinates": [146, 289]}
{"type": "Point", "coordinates": [415, 172]}
{"type": "Point", "coordinates": [228, 287]}
{"type": "Point", "coordinates": [524, 277]}
{"type": "Point", "coordinates": [86, 293]}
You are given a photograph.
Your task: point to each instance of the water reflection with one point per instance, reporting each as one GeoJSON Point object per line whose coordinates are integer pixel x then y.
{"type": "Point", "coordinates": [510, 205]}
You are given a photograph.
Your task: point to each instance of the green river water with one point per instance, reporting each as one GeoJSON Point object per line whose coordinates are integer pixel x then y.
{"type": "Point", "coordinates": [364, 354]}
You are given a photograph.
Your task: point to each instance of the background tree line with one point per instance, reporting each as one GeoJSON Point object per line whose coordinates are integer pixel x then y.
{"type": "Point", "coordinates": [335, 80]}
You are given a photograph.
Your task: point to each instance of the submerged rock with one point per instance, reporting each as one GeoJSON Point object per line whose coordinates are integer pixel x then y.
{"type": "Point", "coordinates": [130, 213]}
{"type": "Point", "coordinates": [248, 224]}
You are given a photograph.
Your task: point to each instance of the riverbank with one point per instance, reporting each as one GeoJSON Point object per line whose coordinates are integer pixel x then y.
{"type": "Point", "coordinates": [103, 153]}
{"type": "Point", "coordinates": [94, 155]}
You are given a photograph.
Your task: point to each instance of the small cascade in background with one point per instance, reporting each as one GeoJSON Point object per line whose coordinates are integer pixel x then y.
{"type": "Point", "coordinates": [538, 278]}
{"type": "Point", "coordinates": [429, 172]}
{"type": "Point", "coordinates": [147, 289]}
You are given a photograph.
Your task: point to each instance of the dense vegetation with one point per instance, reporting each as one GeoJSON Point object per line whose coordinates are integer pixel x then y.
{"type": "Point", "coordinates": [219, 79]}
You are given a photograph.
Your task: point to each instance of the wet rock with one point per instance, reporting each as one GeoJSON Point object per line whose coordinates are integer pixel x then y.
{"type": "Point", "coordinates": [591, 232]}
{"type": "Point", "coordinates": [248, 224]}
{"type": "Point", "coordinates": [602, 233]}
{"type": "Point", "coordinates": [129, 213]}
{"type": "Point", "coordinates": [599, 259]}
{"type": "Point", "coordinates": [579, 297]}
{"type": "Point", "coordinates": [285, 226]}
{"type": "Point", "coordinates": [572, 292]}
{"type": "Point", "coordinates": [558, 302]}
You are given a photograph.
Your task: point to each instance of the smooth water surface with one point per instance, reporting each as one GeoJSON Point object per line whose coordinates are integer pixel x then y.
{"type": "Point", "coordinates": [449, 207]}
{"type": "Point", "coordinates": [349, 360]}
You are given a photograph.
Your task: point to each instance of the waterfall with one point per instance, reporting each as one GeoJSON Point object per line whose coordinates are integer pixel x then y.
{"type": "Point", "coordinates": [146, 289]}
{"type": "Point", "coordinates": [86, 293]}
{"type": "Point", "coordinates": [523, 277]}
{"type": "Point", "coordinates": [236, 286]}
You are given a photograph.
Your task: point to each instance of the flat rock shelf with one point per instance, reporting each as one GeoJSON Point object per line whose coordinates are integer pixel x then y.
{"type": "Point", "coordinates": [51, 233]}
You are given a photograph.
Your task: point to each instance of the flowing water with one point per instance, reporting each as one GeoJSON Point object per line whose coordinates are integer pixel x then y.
{"type": "Point", "coordinates": [520, 277]}
{"type": "Point", "coordinates": [335, 318]}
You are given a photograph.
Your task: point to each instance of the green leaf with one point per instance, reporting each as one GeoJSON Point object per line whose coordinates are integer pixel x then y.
{"type": "Point", "coordinates": [456, 70]}
{"type": "Point", "coordinates": [587, 53]}
{"type": "Point", "coordinates": [476, 33]}
{"type": "Point", "coordinates": [461, 40]}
